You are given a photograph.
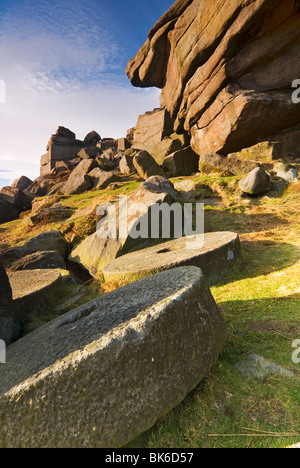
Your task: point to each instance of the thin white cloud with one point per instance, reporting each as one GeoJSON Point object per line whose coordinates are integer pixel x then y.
{"type": "Point", "coordinates": [61, 68]}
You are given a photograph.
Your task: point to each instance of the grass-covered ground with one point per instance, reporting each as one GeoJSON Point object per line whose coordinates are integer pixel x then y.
{"type": "Point", "coordinates": [260, 301]}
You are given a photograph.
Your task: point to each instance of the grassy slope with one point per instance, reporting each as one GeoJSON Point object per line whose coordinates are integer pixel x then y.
{"type": "Point", "coordinates": [260, 301]}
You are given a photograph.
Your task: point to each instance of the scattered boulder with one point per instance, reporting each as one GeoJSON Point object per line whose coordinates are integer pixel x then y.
{"type": "Point", "coordinates": [92, 138]}
{"type": "Point", "coordinates": [150, 342]}
{"type": "Point", "coordinates": [50, 260]}
{"type": "Point", "coordinates": [126, 165]}
{"type": "Point", "coordinates": [123, 144]}
{"type": "Point", "coordinates": [84, 167]}
{"type": "Point", "coordinates": [181, 163]}
{"type": "Point", "coordinates": [186, 189]}
{"type": "Point", "coordinates": [6, 308]}
{"type": "Point", "coordinates": [146, 166]}
{"type": "Point", "coordinates": [77, 184]}
{"type": "Point", "coordinates": [256, 183]}
{"type": "Point", "coordinates": [89, 152]}
{"type": "Point", "coordinates": [45, 242]}
{"type": "Point", "coordinates": [287, 173]}
{"type": "Point", "coordinates": [257, 367]}
{"type": "Point", "coordinates": [22, 183]}
{"type": "Point", "coordinates": [225, 166]}
{"type": "Point", "coordinates": [215, 253]}
{"type": "Point", "coordinates": [17, 197]}
{"type": "Point", "coordinates": [101, 179]}
{"type": "Point", "coordinates": [56, 212]}
{"type": "Point", "coordinates": [112, 239]}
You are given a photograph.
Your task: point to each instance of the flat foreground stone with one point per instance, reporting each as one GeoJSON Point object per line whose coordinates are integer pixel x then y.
{"type": "Point", "coordinates": [220, 250]}
{"type": "Point", "coordinates": [102, 374]}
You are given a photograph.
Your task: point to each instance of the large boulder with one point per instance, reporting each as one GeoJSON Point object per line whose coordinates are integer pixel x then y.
{"type": "Point", "coordinates": [225, 69]}
{"type": "Point", "coordinates": [101, 179]}
{"type": "Point", "coordinates": [77, 184]}
{"type": "Point", "coordinates": [16, 197]}
{"type": "Point", "coordinates": [6, 308]}
{"type": "Point", "coordinates": [118, 232]}
{"type": "Point", "coordinates": [183, 162]}
{"type": "Point", "coordinates": [101, 375]}
{"type": "Point", "coordinates": [39, 261]}
{"type": "Point", "coordinates": [146, 166]}
{"type": "Point", "coordinates": [45, 242]}
{"type": "Point", "coordinates": [22, 183]}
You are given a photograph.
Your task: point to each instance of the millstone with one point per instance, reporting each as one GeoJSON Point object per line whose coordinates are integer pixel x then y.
{"type": "Point", "coordinates": [102, 374]}
{"type": "Point", "coordinates": [219, 252]}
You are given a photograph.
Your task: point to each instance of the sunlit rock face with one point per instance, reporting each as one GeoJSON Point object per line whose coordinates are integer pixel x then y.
{"type": "Point", "coordinates": [226, 69]}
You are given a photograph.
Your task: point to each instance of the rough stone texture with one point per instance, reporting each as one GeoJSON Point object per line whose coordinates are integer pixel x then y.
{"type": "Point", "coordinates": [84, 167]}
{"type": "Point", "coordinates": [92, 137]}
{"type": "Point", "coordinates": [45, 242]}
{"type": "Point", "coordinates": [225, 69]}
{"type": "Point", "coordinates": [99, 249]}
{"type": "Point", "coordinates": [146, 166]}
{"type": "Point", "coordinates": [104, 373]}
{"type": "Point", "coordinates": [40, 261]}
{"type": "Point", "coordinates": [17, 197]}
{"type": "Point", "coordinates": [181, 163]}
{"type": "Point", "coordinates": [151, 129]}
{"type": "Point", "coordinates": [6, 308]}
{"type": "Point", "coordinates": [186, 189]}
{"type": "Point", "coordinates": [256, 183]}
{"type": "Point", "coordinates": [77, 184]}
{"type": "Point", "coordinates": [89, 152]}
{"type": "Point", "coordinates": [123, 144]}
{"type": "Point", "coordinates": [8, 212]}
{"type": "Point", "coordinates": [22, 183]}
{"type": "Point", "coordinates": [101, 179]}
{"type": "Point", "coordinates": [215, 255]}
{"type": "Point", "coordinates": [32, 290]}
{"type": "Point", "coordinates": [215, 163]}
{"type": "Point", "coordinates": [56, 212]}
{"type": "Point", "coordinates": [257, 367]}
{"type": "Point", "coordinates": [126, 165]}
{"type": "Point", "coordinates": [287, 173]}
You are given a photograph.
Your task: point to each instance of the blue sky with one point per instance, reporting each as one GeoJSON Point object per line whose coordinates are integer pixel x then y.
{"type": "Point", "coordinates": [63, 63]}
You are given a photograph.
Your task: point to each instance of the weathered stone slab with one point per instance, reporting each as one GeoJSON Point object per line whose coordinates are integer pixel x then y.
{"type": "Point", "coordinates": [146, 166]}
{"type": "Point", "coordinates": [217, 253]}
{"type": "Point", "coordinates": [45, 242]}
{"type": "Point", "coordinates": [151, 129]}
{"type": "Point", "coordinates": [183, 162]}
{"type": "Point", "coordinates": [104, 373]}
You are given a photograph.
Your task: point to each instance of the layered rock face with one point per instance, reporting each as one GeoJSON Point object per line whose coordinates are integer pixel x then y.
{"type": "Point", "coordinates": [226, 69]}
